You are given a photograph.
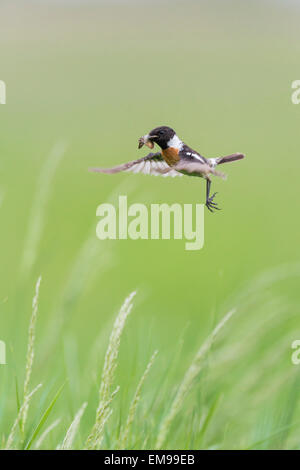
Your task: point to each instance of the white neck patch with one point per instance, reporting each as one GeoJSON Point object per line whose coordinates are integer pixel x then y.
{"type": "Point", "coordinates": [175, 142]}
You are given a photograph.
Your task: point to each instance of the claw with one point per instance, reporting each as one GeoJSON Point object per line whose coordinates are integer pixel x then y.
{"type": "Point", "coordinates": [212, 206]}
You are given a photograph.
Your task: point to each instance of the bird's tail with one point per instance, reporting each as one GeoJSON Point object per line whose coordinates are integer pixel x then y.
{"type": "Point", "coordinates": [228, 158]}
{"type": "Point", "coordinates": [220, 160]}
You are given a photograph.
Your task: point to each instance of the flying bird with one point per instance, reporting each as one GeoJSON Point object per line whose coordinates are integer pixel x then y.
{"type": "Point", "coordinates": [174, 159]}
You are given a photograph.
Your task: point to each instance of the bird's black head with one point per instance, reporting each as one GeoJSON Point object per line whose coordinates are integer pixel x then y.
{"type": "Point", "coordinates": [160, 136]}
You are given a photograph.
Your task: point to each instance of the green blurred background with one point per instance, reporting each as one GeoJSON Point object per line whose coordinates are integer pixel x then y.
{"type": "Point", "coordinates": [95, 77]}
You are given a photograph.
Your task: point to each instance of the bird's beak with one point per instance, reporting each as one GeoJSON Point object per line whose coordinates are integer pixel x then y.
{"type": "Point", "coordinates": [146, 140]}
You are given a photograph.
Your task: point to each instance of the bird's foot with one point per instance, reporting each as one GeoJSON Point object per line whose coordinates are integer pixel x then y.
{"type": "Point", "coordinates": [212, 206]}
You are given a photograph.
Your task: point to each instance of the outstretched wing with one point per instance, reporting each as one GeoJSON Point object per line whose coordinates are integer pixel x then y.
{"type": "Point", "coordinates": [152, 164]}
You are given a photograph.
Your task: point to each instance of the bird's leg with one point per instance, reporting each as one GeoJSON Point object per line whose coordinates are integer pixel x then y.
{"type": "Point", "coordinates": [211, 206]}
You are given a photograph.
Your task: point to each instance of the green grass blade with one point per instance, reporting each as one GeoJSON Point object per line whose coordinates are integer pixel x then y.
{"type": "Point", "coordinates": [209, 416]}
{"type": "Point", "coordinates": [18, 400]}
{"type": "Point", "coordinates": [276, 433]}
{"type": "Point", "coordinates": [44, 418]}
{"type": "Point", "coordinates": [17, 394]}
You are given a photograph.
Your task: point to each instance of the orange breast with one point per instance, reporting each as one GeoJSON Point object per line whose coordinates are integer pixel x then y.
{"type": "Point", "coordinates": [171, 155]}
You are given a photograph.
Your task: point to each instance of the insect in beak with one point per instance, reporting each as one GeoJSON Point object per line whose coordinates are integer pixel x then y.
{"type": "Point", "coordinates": [145, 140]}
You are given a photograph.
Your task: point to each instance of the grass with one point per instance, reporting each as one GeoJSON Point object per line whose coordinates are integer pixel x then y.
{"type": "Point", "coordinates": [107, 391]}
{"type": "Point", "coordinates": [106, 395]}
{"type": "Point", "coordinates": [98, 88]}
{"type": "Point", "coordinates": [190, 376]}
{"type": "Point", "coordinates": [130, 432]}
